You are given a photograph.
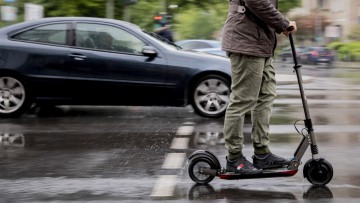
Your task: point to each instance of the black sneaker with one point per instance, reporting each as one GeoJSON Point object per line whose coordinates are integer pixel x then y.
{"type": "Point", "coordinates": [241, 165]}
{"type": "Point", "coordinates": [270, 161]}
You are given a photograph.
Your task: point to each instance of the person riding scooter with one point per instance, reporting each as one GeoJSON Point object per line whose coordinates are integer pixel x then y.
{"type": "Point", "coordinates": [249, 38]}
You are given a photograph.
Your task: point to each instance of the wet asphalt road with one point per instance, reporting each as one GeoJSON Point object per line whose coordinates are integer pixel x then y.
{"type": "Point", "coordinates": [138, 154]}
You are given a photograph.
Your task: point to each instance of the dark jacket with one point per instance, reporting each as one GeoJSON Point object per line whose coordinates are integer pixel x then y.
{"type": "Point", "coordinates": [165, 32]}
{"type": "Point", "coordinates": [253, 33]}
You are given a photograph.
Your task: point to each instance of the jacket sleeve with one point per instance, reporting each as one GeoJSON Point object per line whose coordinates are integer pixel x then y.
{"type": "Point", "coordinates": [266, 12]}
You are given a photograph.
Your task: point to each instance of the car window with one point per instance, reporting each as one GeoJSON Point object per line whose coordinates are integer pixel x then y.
{"type": "Point", "coordinates": [105, 37]}
{"type": "Point", "coordinates": [54, 34]}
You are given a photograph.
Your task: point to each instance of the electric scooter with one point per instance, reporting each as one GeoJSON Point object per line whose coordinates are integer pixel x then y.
{"type": "Point", "coordinates": [204, 165]}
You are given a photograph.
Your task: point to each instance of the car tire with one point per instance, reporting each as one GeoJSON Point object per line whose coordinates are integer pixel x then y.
{"type": "Point", "coordinates": [14, 96]}
{"type": "Point", "coordinates": [210, 96]}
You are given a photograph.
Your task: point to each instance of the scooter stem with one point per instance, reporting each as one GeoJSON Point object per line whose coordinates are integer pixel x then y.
{"type": "Point", "coordinates": [308, 123]}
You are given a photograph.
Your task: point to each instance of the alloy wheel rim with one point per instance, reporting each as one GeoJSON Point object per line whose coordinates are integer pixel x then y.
{"type": "Point", "coordinates": [12, 94]}
{"type": "Point", "coordinates": [212, 96]}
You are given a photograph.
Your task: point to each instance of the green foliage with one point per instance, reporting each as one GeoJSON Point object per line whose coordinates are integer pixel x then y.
{"type": "Point", "coordinates": [335, 45]}
{"type": "Point", "coordinates": [192, 18]}
{"type": "Point", "coordinates": [286, 5]}
{"type": "Point", "coordinates": [197, 23]}
{"type": "Point", "coordinates": [347, 51]}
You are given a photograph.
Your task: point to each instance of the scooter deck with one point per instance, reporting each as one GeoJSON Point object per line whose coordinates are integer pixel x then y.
{"type": "Point", "coordinates": [269, 173]}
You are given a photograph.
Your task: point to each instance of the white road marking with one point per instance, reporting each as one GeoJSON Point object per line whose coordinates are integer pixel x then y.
{"type": "Point", "coordinates": [189, 123]}
{"type": "Point", "coordinates": [180, 143]}
{"type": "Point", "coordinates": [315, 101]}
{"type": "Point", "coordinates": [185, 130]}
{"type": "Point", "coordinates": [164, 186]}
{"type": "Point", "coordinates": [286, 129]}
{"type": "Point", "coordinates": [174, 161]}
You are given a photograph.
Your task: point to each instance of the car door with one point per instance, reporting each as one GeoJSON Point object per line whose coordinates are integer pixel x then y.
{"type": "Point", "coordinates": [110, 68]}
{"type": "Point", "coordinates": [41, 53]}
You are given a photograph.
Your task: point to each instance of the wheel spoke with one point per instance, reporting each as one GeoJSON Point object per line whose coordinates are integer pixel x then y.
{"type": "Point", "coordinates": [213, 83]}
{"type": "Point", "coordinates": [203, 88]}
{"type": "Point", "coordinates": [18, 91]}
{"type": "Point", "coordinates": [10, 83]}
{"type": "Point", "coordinates": [15, 100]}
{"type": "Point", "coordinates": [216, 105]}
{"type": "Point", "coordinates": [208, 105]}
{"type": "Point", "coordinates": [222, 88]}
{"type": "Point", "coordinates": [202, 98]}
{"type": "Point", "coordinates": [6, 104]}
{"type": "Point", "coordinates": [224, 98]}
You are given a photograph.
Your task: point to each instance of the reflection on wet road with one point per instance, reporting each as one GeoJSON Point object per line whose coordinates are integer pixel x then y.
{"type": "Point", "coordinates": [139, 154]}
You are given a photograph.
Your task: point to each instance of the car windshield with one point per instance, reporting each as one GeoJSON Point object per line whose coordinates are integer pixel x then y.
{"type": "Point", "coordinates": [162, 40]}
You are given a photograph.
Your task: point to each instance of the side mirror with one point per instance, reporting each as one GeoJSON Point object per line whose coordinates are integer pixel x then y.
{"type": "Point", "coordinates": [149, 51]}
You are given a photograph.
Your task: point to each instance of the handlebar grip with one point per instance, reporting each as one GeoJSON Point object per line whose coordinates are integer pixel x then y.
{"type": "Point", "coordinates": [290, 28]}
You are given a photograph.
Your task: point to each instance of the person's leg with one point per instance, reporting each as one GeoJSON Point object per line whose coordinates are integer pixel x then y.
{"type": "Point", "coordinates": [246, 82]}
{"type": "Point", "coordinates": [263, 158]}
{"type": "Point", "coordinates": [260, 115]}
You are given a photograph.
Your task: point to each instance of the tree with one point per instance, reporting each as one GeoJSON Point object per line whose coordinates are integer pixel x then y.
{"type": "Point", "coordinates": [286, 5]}
{"type": "Point", "coordinates": [210, 14]}
{"type": "Point", "coordinates": [191, 23]}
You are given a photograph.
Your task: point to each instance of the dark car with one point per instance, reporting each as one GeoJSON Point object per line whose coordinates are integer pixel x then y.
{"type": "Point", "coordinates": [94, 61]}
{"type": "Point", "coordinates": [286, 53]}
{"type": "Point", "coordinates": [316, 55]}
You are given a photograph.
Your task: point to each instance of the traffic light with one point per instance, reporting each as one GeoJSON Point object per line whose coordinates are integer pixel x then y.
{"type": "Point", "coordinates": [161, 20]}
{"type": "Point", "coordinates": [158, 18]}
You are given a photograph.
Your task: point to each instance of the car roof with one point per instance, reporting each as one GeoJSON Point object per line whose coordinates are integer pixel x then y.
{"type": "Point", "coordinates": [22, 25]}
{"type": "Point", "coordinates": [200, 40]}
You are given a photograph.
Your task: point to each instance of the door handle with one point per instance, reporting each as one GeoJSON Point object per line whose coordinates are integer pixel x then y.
{"type": "Point", "coordinates": [78, 57]}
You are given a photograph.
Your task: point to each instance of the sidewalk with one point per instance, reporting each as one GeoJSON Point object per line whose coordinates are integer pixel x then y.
{"type": "Point", "coordinates": [347, 64]}
{"type": "Point", "coordinates": [282, 79]}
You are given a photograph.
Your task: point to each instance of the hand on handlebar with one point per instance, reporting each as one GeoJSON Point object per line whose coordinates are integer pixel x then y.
{"type": "Point", "coordinates": [292, 28]}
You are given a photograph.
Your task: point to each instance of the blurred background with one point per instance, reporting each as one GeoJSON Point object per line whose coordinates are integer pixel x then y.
{"type": "Point", "coordinates": [334, 24]}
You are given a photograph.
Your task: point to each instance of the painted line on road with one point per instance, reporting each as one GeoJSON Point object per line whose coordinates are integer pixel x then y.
{"type": "Point", "coordinates": [288, 129]}
{"type": "Point", "coordinates": [180, 143]}
{"type": "Point", "coordinates": [185, 130]}
{"type": "Point", "coordinates": [164, 186]}
{"type": "Point", "coordinates": [173, 161]}
{"type": "Point", "coordinates": [315, 101]}
{"type": "Point", "coordinates": [189, 123]}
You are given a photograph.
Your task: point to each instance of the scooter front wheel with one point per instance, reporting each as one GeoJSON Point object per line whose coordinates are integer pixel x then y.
{"type": "Point", "coordinates": [318, 172]}
{"type": "Point", "coordinates": [197, 165]}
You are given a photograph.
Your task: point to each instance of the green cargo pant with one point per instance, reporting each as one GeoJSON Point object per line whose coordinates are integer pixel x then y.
{"type": "Point", "coordinates": [253, 89]}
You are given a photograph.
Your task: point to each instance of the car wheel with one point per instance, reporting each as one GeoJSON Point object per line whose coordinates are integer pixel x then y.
{"type": "Point", "coordinates": [14, 98]}
{"type": "Point", "coordinates": [210, 96]}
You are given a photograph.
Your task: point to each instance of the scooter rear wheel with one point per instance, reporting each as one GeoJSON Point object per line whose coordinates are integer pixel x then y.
{"type": "Point", "coordinates": [318, 172]}
{"type": "Point", "coordinates": [195, 166]}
